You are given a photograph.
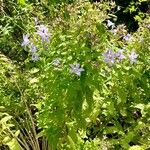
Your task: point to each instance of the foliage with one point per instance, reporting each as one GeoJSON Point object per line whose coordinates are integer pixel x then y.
{"type": "Point", "coordinates": [83, 84]}
{"type": "Point", "coordinates": [7, 136]}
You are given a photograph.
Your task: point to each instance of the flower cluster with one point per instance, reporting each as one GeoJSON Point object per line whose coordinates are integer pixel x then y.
{"type": "Point", "coordinates": [43, 32]}
{"type": "Point", "coordinates": [120, 28]}
{"type": "Point", "coordinates": [74, 68]}
{"type": "Point", "coordinates": [110, 56]}
{"type": "Point", "coordinates": [26, 42]}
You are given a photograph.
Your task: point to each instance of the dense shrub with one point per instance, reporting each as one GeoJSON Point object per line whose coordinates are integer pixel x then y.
{"type": "Point", "coordinates": [83, 84]}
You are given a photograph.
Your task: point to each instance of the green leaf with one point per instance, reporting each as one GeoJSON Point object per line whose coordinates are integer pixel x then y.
{"type": "Point", "coordinates": [5, 119]}
{"type": "Point", "coordinates": [17, 133]}
{"type": "Point", "coordinates": [21, 2]}
{"type": "Point", "coordinates": [127, 139]}
{"type": "Point", "coordinates": [101, 28]}
{"type": "Point", "coordinates": [72, 144]}
{"type": "Point", "coordinates": [136, 147]}
{"type": "Point", "coordinates": [14, 145]}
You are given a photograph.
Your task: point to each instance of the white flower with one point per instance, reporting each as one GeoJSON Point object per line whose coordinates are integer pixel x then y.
{"type": "Point", "coordinates": [110, 24]}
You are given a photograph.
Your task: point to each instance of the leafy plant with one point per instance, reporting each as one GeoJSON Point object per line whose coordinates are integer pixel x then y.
{"type": "Point", "coordinates": [84, 83]}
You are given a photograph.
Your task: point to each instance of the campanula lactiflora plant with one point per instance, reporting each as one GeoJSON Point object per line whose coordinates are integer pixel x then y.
{"type": "Point", "coordinates": [85, 84]}
{"type": "Point", "coordinates": [98, 88]}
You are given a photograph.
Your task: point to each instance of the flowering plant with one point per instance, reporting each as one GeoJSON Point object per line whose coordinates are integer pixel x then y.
{"type": "Point", "coordinates": [85, 82]}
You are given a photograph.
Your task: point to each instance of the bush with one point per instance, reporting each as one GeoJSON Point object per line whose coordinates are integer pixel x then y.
{"type": "Point", "coordinates": [84, 83]}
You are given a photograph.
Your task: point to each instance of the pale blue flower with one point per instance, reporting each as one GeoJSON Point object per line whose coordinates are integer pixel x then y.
{"type": "Point", "coordinates": [109, 56]}
{"type": "Point", "coordinates": [76, 69]}
{"type": "Point", "coordinates": [119, 55]}
{"type": "Point", "coordinates": [127, 37]}
{"type": "Point", "coordinates": [133, 57]}
{"type": "Point", "coordinates": [26, 40]}
{"type": "Point", "coordinates": [33, 49]}
{"type": "Point", "coordinates": [43, 33]}
{"type": "Point", "coordinates": [35, 57]}
{"type": "Point", "coordinates": [56, 62]}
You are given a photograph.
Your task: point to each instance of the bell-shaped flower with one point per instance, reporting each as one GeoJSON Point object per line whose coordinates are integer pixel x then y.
{"type": "Point", "coordinates": [56, 62]}
{"type": "Point", "coordinates": [127, 37]}
{"type": "Point", "coordinates": [109, 57]}
{"type": "Point", "coordinates": [33, 49]}
{"type": "Point", "coordinates": [35, 57]}
{"type": "Point", "coordinates": [133, 57]}
{"type": "Point", "coordinates": [26, 40]}
{"type": "Point", "coordinates": [43, 33]}
{"type": "Point", "coordinates": [119, 55]}
{"type": "Point", "coordinates": [76, 69]}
